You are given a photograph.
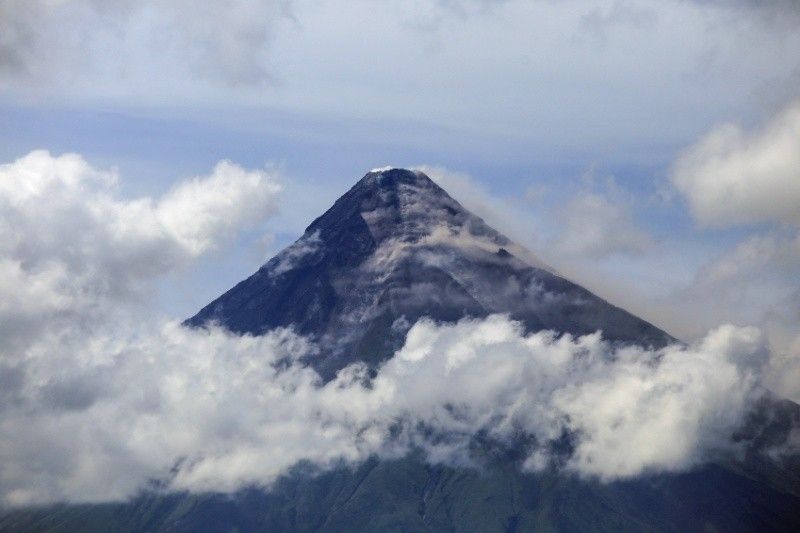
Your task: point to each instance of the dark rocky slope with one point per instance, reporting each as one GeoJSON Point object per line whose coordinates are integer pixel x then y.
{"type": "Point", "coordinates": [393, 249]}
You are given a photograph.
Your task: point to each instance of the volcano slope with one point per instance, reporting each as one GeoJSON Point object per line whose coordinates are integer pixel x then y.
{"type": "Point", "coordinates": [394, 249]}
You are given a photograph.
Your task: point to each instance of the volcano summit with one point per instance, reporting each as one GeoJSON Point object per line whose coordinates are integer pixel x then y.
{"type": "Point", "coordinates": [396, 248]}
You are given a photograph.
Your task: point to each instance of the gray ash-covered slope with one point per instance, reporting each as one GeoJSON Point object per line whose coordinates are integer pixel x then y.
{"type": "Point", "coordinates": [396, 248]}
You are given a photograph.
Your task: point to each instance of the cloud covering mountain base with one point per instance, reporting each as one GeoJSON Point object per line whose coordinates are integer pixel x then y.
{"type": "Point", "coordinates": [100, 399]}
{"type": "Point", "coordinates": [97, 418]}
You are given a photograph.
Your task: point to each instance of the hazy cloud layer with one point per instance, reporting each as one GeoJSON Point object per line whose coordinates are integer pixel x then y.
{"type": "Point", "coordinates": [781, 13]}
{"type": "Point", "coordinates": [226, 42]}
{"type": "Point", "coordinates": [597, 223]}
{"type": "Point", "coordinates": [524, 75]}
{"type": "Point", "coordinates": [499, 213]}
{"type": "Point", "coordinates": [98, 397]}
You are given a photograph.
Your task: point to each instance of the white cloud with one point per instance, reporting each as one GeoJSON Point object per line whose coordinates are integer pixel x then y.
{"type": "Point", "coordinates": [632, 410]}
{"type": "Point", "coordinates": [597, 223]}
{"type": "Point", "coordinates": [207, 210]}
{"type": "Point", "coordinates": [71, 249]}
{"type": "Point", "coordinates": [752, 283]}
{"type": "Point", "coordinates": [96, 418]}
{"type": "Point", "coordinates": [732, 176]}
{"type": "Point", "coordinates": [98, 397]}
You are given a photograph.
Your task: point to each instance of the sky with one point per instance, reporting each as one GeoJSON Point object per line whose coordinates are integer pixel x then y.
{"type": "Point", "coordinates": [154, 154]}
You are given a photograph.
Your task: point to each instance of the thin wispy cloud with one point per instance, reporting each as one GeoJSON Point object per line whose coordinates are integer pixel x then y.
{"type": "Point", "coordinates": [56, 43]}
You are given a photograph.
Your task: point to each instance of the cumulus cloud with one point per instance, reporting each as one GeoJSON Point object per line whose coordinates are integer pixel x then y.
{"type": "Point", "coordinates": [733, 176]}
{"type": "Point", "coordinates": [72, 250]}
{"type": "Point", "coordinates": [618, 403]}
{"type": "Point", "coordinates": [202, 410]}
{"type": "Point", "coordinates": [99, 399]}
{"type": "Point", "coordinates": [754, 282]}
{"type": "Point", "coordinates": [205, 211]}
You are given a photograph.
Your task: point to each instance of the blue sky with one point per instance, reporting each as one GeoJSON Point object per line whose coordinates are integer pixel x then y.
{"type": "Point", "coordinates": [543, 114]}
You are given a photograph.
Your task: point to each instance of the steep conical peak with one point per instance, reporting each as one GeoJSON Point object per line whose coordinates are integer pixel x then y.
{"type": "Point", "coordinates": [393, 249]}
{"type": "Point", "coordinates": [390, 185]}
{"type": "Point", "coordinates": [391, 177]}
{"type": "Point", "coordinates": [400, 204]}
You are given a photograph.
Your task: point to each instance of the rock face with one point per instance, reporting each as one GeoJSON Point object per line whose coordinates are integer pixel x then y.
{"type": "Point", "coordinates": [393, 249]}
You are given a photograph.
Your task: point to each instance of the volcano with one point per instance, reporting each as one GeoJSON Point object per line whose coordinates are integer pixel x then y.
{"type": "Point", "coordinates": [396, 248]}
{"type": "Point", "coordinates": [392, 250]}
